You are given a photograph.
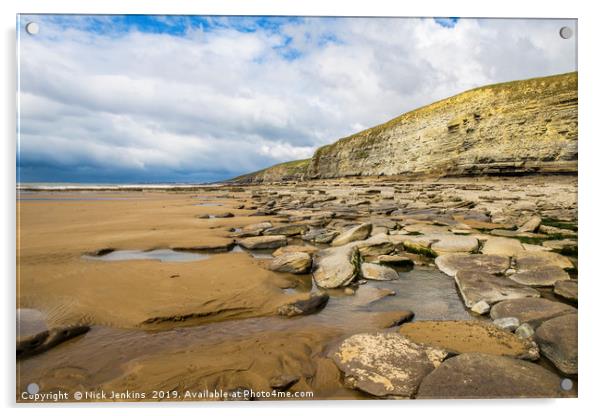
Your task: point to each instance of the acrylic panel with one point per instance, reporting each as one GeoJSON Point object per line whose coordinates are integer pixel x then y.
{"type": "Point", "coordinates": [295, 208]}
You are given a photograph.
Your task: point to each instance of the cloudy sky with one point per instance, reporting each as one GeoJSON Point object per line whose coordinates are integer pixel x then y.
{"type": "Point", "coordinates": [193, 99]}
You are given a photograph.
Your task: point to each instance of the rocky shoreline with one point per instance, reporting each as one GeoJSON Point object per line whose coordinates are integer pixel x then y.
{"type": "Point", "coordinates": [508, 246]}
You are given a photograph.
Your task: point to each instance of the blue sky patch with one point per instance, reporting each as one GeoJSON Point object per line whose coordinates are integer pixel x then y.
{"type": "Point", "coordinates": [447, 22]}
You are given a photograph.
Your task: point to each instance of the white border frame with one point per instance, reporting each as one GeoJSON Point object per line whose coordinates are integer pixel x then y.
{"type": "Point", "coordinates": [589, 195]}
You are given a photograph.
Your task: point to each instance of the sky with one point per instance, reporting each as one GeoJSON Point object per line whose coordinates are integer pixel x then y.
{"type": "Point", "coordinates": [142, 99]}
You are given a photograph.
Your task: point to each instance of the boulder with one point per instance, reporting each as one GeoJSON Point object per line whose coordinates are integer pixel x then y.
{"type": "Point", "coordinates": [385, 364]}
{"type": "Point", "coordinates": [470, 336]}
{"type": "Point", "coordinates": [509, 323]}
{"type": "Point", "coordinates": [373, 271]}
{"type": "Point", "coordinates": [525, 331]}
{"type": "Point", "coordinates": [261, 242]}
{"type": "Point", "coordinates": [336, 267]}
{"type": "Point", "coordinates": [291, 263]}
{"type": "Point", "coordinates": [360, 232]}
{"type": "Point", "coordinates": [481, 307]}
{"type": "Point", "coordinates": [566, 289]}
{"type": "Point", "coordinates": [451, 263]}
{"type": "Point", "coordinates": [475, 286]}
{"type": "Point", "coordinates": [315, 302]}
{"type": "Point", "coordinates": [486, 376]}
{"type": "Point", "coordinates": [530, 310]}
{"type": "Point", "coordinates": [557, 339]}
{"type": "Point", "coordinates": [502, 247]}
{"type": "Point", "coordinates": [543, 276]}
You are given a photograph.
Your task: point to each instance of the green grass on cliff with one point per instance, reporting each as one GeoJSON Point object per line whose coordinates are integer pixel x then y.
{"type": "Point", "coordinates": [285, 168]}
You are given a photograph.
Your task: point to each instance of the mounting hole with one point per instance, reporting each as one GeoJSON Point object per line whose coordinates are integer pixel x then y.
{"type": "Point", "coordinates": [566, 384]}
{"type": "Point", "coordinates": [33, 388]}
{"type": "Point", "coordinates": [566, 32]}
{"type": "Point", "coordinates": [32, 28]}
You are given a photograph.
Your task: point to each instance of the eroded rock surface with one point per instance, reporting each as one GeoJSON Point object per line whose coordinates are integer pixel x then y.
{"type": "Point", "coordinates": [530, 310]}
{"type": "Point", "coordinates": [486, 376]}
{"type": "Point", "coordinates": [476, 286]}
{"type": "Point", "coordinates": [373, 271]}
{"type": "Point", "coordinates": [557, 339]}
{"type": "Point", "coordinates": [450, 264]}
{"type": "Point", "coordinates": [385, 364]}
{"type": "Point", "coordinates": [336, 267]}
{"type": "Point", "coordinates": [296, 262]}
{"type": "Point", "coordinates": [470, 336]}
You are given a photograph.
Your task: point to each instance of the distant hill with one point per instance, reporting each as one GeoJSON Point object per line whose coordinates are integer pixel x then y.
{"type": "Point", "coordinates": [512, 128]}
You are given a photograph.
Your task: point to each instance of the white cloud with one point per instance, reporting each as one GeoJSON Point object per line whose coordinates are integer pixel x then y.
{"type": "Point", "coordinates": [215, 103]}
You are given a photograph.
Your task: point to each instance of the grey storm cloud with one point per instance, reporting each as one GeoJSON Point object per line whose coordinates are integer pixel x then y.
{"type": "Point", "coordinates": [122, 104]}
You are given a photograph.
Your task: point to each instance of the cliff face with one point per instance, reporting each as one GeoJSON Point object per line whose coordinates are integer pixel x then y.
{"type": "Point", "coordinates": [287, 171]}
{"type": "Point", "coordinates": [518, 127]}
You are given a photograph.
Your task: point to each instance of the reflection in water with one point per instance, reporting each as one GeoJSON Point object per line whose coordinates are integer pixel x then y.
{"type": "Point", "coordinates": [258, 254]}
{"type": "Point", "coordinates": [165, 255]}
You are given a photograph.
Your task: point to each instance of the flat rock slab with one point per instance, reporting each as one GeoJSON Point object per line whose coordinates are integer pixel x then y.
{"type": "Point", "coordinates": [530, 225]}
{"type": "Point", "coordinates": [470, 336]}
{"type": "Point", "coordinates": [320, 235]}
{"type": "Point", "coordinates": [253, 230]}
{"type": "Point", "coordinates": [475, 286]}
{"type": "Point", "coordinates": [450, 264]}
{"type": "Point", "coordinates": [502, 247]}
{"type": "Point", "coordinates": [385, 364]}
{"type": "Point", "coordinates": [542, 276]}
{"type": "Point", "coordinates": [296, 262]}
{"type": "Point", "coordinates": [486, 376]}
{"type": "Point", "coordinates": [530, 310]}
{"type": "Point", "coordinates": [557, 339]}
{"type": "Point", "coordinates": [266, 241]}
{"type": "Point", "coordinates": [395, 260]}
{"type": "Point", "coordinates": [360, 232]}
{"type": "Point", "coordinates": [336, 267]}
{"type": "Point", "coordinates": [537, 260]}
{"type": "Point", "coordinates": [373, 271]}
{"type": "Point", "coordinates": [426, 228]}
{"type": "Point", "coordinates": [566, 289]}
{"type": "Point", "coordinates": [377, 245]}
{"type": "Point", "coordinates": [288, 230]}
{"type": "Point", "coordinates": [451, 243]}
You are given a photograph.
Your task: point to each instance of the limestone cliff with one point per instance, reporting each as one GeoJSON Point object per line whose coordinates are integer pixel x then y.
{"type": "Point", "coordinates": [518, 127]}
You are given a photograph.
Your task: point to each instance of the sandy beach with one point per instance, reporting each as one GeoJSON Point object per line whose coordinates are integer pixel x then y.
{"type": "Point", "coordinates": [207, 313]}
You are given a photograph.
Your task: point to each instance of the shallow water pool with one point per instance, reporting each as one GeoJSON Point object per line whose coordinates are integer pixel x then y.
{"type": "Point", "coordinates": [164, 255]}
